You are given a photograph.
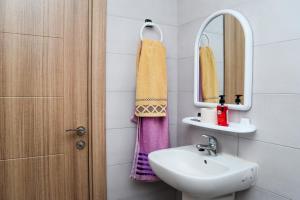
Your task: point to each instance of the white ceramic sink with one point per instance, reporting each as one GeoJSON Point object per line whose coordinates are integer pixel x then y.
{"type": "Point", "coordinates": [200, 175]}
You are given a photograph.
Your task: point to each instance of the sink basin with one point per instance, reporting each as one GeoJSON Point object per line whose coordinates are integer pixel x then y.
{"type": "Point", "coordinates": [199, 175]}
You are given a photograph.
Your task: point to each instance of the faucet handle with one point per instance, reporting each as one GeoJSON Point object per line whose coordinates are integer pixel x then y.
{"type": "Point", "coordinates": [206, 136]}
{"type": "Point", "coordinates": [211, 139]}
{"type": "Point", "coordinates": [211, 147]}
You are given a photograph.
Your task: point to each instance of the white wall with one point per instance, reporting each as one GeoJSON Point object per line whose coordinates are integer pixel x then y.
{"type": "Point", "coordinates": [123, 25]}
{"type": "Point", "coordinates": [276, 99]}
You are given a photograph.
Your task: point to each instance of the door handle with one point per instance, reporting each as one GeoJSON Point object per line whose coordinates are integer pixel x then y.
{"type": "Point", "coordinates": [80, 131]}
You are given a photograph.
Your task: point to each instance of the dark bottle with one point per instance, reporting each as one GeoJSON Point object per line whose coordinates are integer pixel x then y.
{"type": "Point", "coordinates": [238, 99]}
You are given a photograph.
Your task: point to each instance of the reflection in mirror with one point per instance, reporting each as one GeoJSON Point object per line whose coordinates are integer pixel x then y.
{"type": "Point", "coordinates": [222, 61]}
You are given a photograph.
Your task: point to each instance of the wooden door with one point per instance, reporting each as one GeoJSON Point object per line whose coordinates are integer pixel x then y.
{"type": "Point", "coordinates": [234, 57]}
{"type": "Point", "coordinates": [44, 59]}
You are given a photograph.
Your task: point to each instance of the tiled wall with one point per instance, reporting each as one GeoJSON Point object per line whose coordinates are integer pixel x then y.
{"type": "Point", "coordinates": [276, 99]}
{"type": "Point", "coordinates": [123, 25]}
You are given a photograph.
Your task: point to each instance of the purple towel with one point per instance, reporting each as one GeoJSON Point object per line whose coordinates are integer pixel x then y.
{"type": "Point", "coordinates": [152, 134]}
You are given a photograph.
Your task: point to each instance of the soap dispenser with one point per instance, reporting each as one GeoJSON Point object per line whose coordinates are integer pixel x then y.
{"type": "Point", "coordinates": [222, 112]}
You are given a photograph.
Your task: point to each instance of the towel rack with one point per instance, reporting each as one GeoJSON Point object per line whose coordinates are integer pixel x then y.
{"type": "Point", "coordinates": [206, 37]}
{"type": "Point", "coordinates": [149, 24]}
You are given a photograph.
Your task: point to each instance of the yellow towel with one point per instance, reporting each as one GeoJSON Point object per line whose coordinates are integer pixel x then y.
{"type": "Point", "coordinates": [151, 80]}
{"type": "Point", "coordinates": [209, 78]}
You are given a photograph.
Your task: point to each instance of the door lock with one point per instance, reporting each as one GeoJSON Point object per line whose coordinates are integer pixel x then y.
{"type": "Point", "coordinates": [80, 145]}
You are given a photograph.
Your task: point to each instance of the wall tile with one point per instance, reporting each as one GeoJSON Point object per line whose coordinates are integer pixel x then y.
{"type": "Point", "coordinates": [278, 166]}
{"type": "Point", "coordinates": [186, 105]}
{"type": "Point", "coordinates": [186, 74]}
{"type": "Point", "coordinates": [275, 117]}
{"type": "Point", "coordinates": [272, 20]}
{"type": "Point", "coordinates": [120, 72]}
{"type": "Point", "coordinates": [186, 38]}
{"type": "Point", "coordinates": [121, 187]}
{"type": "Point", "coordinates": [256, 193]}
{"type": "Point", "coordinates": [279, 63]}
{"type": "Point", "coordinates": [126, 42]}
{"type": "Point", "coordinates": [173, 135]}
{"type": "Point", "coordinates": [119, 109]}
{"type": "Point", "coordinates": [181, 141]}
{"type": "Point", "coordinates": [120, 145]}
{"type": "Point", "coordinates": [172, 107]}
{"type": "Point", "coordinates": [172, 74]}
{"type": "Point", "coordinates": [159, 12]}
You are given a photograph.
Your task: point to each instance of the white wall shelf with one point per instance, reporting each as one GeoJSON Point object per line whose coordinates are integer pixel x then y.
{"type": "Point", "coordinates": [241, 128]}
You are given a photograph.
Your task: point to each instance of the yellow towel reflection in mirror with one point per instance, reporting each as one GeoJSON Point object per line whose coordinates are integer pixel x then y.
{"type": "Point", "coordinates": [208, 76]}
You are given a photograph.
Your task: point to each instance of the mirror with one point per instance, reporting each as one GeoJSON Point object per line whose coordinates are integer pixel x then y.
{"type": "Point", "coordinates": [223, 61]}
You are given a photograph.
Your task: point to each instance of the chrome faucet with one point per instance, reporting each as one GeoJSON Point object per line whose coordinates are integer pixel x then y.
{"type": "Point", "coordinates": [211, 147]}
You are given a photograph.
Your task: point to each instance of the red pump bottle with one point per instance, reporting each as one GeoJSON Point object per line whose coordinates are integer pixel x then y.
{"type": "Point", "coordinates": [222, 112]}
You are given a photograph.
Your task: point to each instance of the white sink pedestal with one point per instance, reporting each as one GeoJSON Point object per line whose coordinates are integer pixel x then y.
{"type": "Point", "coordinates": [227, 197]}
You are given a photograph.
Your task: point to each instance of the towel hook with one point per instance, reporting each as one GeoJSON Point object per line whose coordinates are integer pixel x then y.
{"type": "Point", "coordinates": [206, 37]}
{"type": "Point", "coordinates": [149, 24]}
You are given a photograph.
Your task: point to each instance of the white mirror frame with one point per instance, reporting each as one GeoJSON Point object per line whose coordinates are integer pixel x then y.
{"type": "Point", "coordinates": [248, 61]}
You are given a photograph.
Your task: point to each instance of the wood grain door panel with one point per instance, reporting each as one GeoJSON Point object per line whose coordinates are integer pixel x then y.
{"type": "Point", "coordinates": [33, 178]}
{"type": "Point", "coordinates": [30, 66]}
{"type": "Point", "coordinates": [34, 17]}
{"type": "Point", "coordinates": [44, 76]}
{"type": "Point", "coordinates": [31, 127]}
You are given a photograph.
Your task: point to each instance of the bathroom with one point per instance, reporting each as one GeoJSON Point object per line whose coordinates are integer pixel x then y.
{"type": "Point", "coordinates": [68, 75]}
